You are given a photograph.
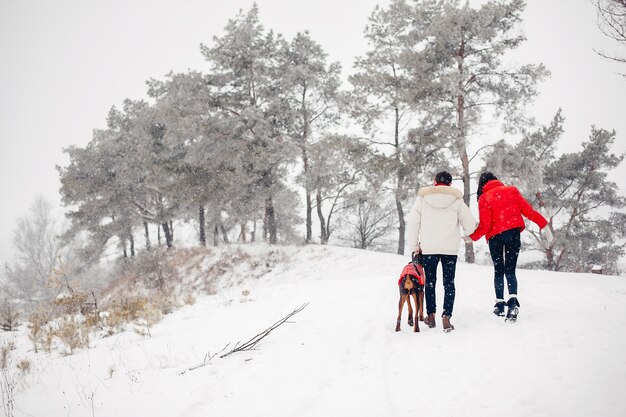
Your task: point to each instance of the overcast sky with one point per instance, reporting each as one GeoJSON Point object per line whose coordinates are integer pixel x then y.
{"type": "Point", "coordinates": [64, 63]}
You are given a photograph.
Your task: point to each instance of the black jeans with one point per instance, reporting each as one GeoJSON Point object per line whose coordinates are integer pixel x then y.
{"type": "Point", "coordinates": [504, 248]}
{"type": "Point", "coordinates": [448, 264]}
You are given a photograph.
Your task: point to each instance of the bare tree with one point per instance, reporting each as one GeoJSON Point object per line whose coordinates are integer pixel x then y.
{"type": "Point", "coordinates": [370, 221]}
{"type": "Point", "coordinates": [612, 22]}
{"type": "Point", "coordinates": [36, 250]}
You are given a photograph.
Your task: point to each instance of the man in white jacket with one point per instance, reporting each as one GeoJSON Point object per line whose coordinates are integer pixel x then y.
{"type": "Point", "coordinates": [433, 225]}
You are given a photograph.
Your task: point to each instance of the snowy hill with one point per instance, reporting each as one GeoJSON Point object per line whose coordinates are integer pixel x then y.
{"type": "Point", "coordinates": [340, 356]}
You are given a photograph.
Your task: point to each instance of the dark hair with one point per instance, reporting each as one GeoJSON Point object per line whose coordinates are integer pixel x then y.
{"type": "Point", "coordinates": [485, 177]}
{"type": "Point", "coordinates": [443, 177]}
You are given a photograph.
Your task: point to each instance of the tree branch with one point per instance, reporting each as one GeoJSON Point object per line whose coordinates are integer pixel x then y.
{"type": "Point", "coordinates": [249, 344]}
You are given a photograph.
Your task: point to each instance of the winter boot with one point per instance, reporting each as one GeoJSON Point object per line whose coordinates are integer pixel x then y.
{"type": "Point", "coordinates": [447, 326]}
{"type": "Point", "coordinates": [498, 309]}
{"type": "Point", "coordinates": [430, 320]}
{"type": "Point", "coordinates": [513, 309]}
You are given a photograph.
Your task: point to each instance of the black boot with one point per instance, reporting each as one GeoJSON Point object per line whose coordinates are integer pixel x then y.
{"type": "Point", "coordinates": [513, 305]}
{"type": "Point", "coordinates": [498, 308]}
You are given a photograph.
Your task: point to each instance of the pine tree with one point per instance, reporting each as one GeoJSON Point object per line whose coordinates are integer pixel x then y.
{"type": "Point", "coordinates": [469, 45]}
{"type": "Point", "coordinates": [311, 89]}
{"type": "Point", "coordinates": [392, 84]}
{"type": "Point", "coordinates": [578, 191]}
{"type": "Point", "coordinates": [574, 193]}
{"type": "Point", "coordinates": [184, 106]}
{"type": "Point", "coordinates": [247, 89]}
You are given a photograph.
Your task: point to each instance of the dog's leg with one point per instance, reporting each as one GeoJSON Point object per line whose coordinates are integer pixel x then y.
{"type": "Point", "coordinates": [417, 310]}
{"type": "Point", "coordinates": [408, 301]}
{"type": "Point", "coordinates": [403, 298]}
{"type": "Point", "coordinates": [421, 303]}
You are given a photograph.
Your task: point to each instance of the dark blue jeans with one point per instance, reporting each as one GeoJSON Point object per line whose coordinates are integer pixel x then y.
{"type": "Point", "coordinates": [448, 265]}
{"type": "Point", "coordinates": [504, 248]}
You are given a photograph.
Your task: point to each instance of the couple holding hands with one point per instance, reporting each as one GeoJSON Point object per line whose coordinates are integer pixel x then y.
{"type": "Point", "coordinates": [433, 227]}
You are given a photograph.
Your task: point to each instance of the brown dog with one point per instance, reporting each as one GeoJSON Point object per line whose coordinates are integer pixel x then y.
{"type": "Point", "coordinates": [411, 283]}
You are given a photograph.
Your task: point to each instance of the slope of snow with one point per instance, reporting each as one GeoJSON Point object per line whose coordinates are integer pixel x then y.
{"type": "Point", "coordinates": [340, 356]}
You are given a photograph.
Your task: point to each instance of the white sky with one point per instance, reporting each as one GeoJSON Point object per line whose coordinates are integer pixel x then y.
{"type": "Point", "coordinates": [64, 63]}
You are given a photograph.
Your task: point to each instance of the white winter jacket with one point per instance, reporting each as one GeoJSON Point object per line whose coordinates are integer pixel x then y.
{"type": "Point", "coordinates": [435, 218]}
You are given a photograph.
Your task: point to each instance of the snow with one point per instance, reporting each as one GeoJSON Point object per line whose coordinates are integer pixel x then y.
{"type": "Point", "coordinates": [565, 356]}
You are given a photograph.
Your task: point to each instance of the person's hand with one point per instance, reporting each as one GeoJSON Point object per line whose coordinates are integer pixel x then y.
{"type": "Point", "coordinates": [416, 257]}
{"type": "Point", "coordinates": [548, 234]}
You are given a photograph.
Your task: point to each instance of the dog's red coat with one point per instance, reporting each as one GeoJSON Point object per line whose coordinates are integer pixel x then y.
{"type": "Point", "coordinates": [413, 269]}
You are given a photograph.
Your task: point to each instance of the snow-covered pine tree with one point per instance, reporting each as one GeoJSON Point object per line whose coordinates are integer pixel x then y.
{"type": "Point", "coordinates": [247, 89]}
{"type": "Point", "coordinates": [144, 158]}
{"type": "Point", "coordinates": [574, 192]}
{"type": "Point", "coordinates": [115, 184]}
{"type": "Point", "coordinates": [579, 196]}
{"type": "Point", "coordinates": [469, 45]}
{"type": "Point", "coordinates": [183, 105]}
{"type": "Point", "coordinates": [524, 163]}
{"type": "Point", "coordinates": [391, 86]}
{"type": "Point", "coordinates": [93, 191]}
{"type": "Point", "coordinates": [311, 88]}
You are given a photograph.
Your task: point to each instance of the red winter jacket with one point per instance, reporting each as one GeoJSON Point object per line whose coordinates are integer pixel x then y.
{"type": "Point", "coordinates": [500, 208]}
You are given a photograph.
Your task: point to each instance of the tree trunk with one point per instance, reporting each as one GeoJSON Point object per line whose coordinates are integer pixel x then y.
{"type": "Point", "coordinates": [461, 143]}
{"type": "Point", "coordinates": [131, 240]}
{"type": "Point", "coordinates": [320, 215]}
{"type": "Point", "coordinates": [159, 235]}
{"type": "Point", "coordinates": [271, 221]}
{"type": "Point", "coordinates": [242, 234]}
{"type": "Point", "coordinates": [201, 223]}
{"type": "Point", "coordinates": [146, 233]}
{"type": "Point", "coordinates": [550, 258]}
{"type": "Point", "coordinates": [224, 233]}
{"type": "Point", "coordinates": [399, 185]}
{"type": "Point", "coordinates": [309, 204]}
{"type": "Point", "coordinates": [305, 163]}
{"type": "Point", "coordinates": [168, 234]}
{"type": "Point", "coordinates": [401, 226]}
{"type": "Point", "coordinates": [216, 235]}
{"type": "Point", "coordinates": [253, 232]}
{"type": "Point", "coordinates": [469, 246]}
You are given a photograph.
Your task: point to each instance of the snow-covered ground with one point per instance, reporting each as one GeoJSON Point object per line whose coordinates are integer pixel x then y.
{"type": "Point", "coordinates": [340, 356]}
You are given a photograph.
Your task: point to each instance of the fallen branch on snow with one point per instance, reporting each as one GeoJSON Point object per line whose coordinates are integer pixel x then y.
{"type": "Point", "coordinates": [248, 345]}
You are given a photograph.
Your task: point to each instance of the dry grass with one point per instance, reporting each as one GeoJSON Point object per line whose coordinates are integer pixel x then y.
{"type": "Point", "coordinates": [38, 321]}
{"type": "Point", "coordinates": [123, 311]}
{"type": "Point", "coordinates": [152, 285]}
{"type": "Point", "coordinates": [73, 333]}
{"type": "Point", "coordinates": [24, 366]}
{"type": "Point", "coordinates": [71, 303]}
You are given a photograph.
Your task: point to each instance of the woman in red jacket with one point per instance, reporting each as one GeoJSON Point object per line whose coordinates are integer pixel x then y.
{"type": "Point", "coordinates": [500, 209]}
